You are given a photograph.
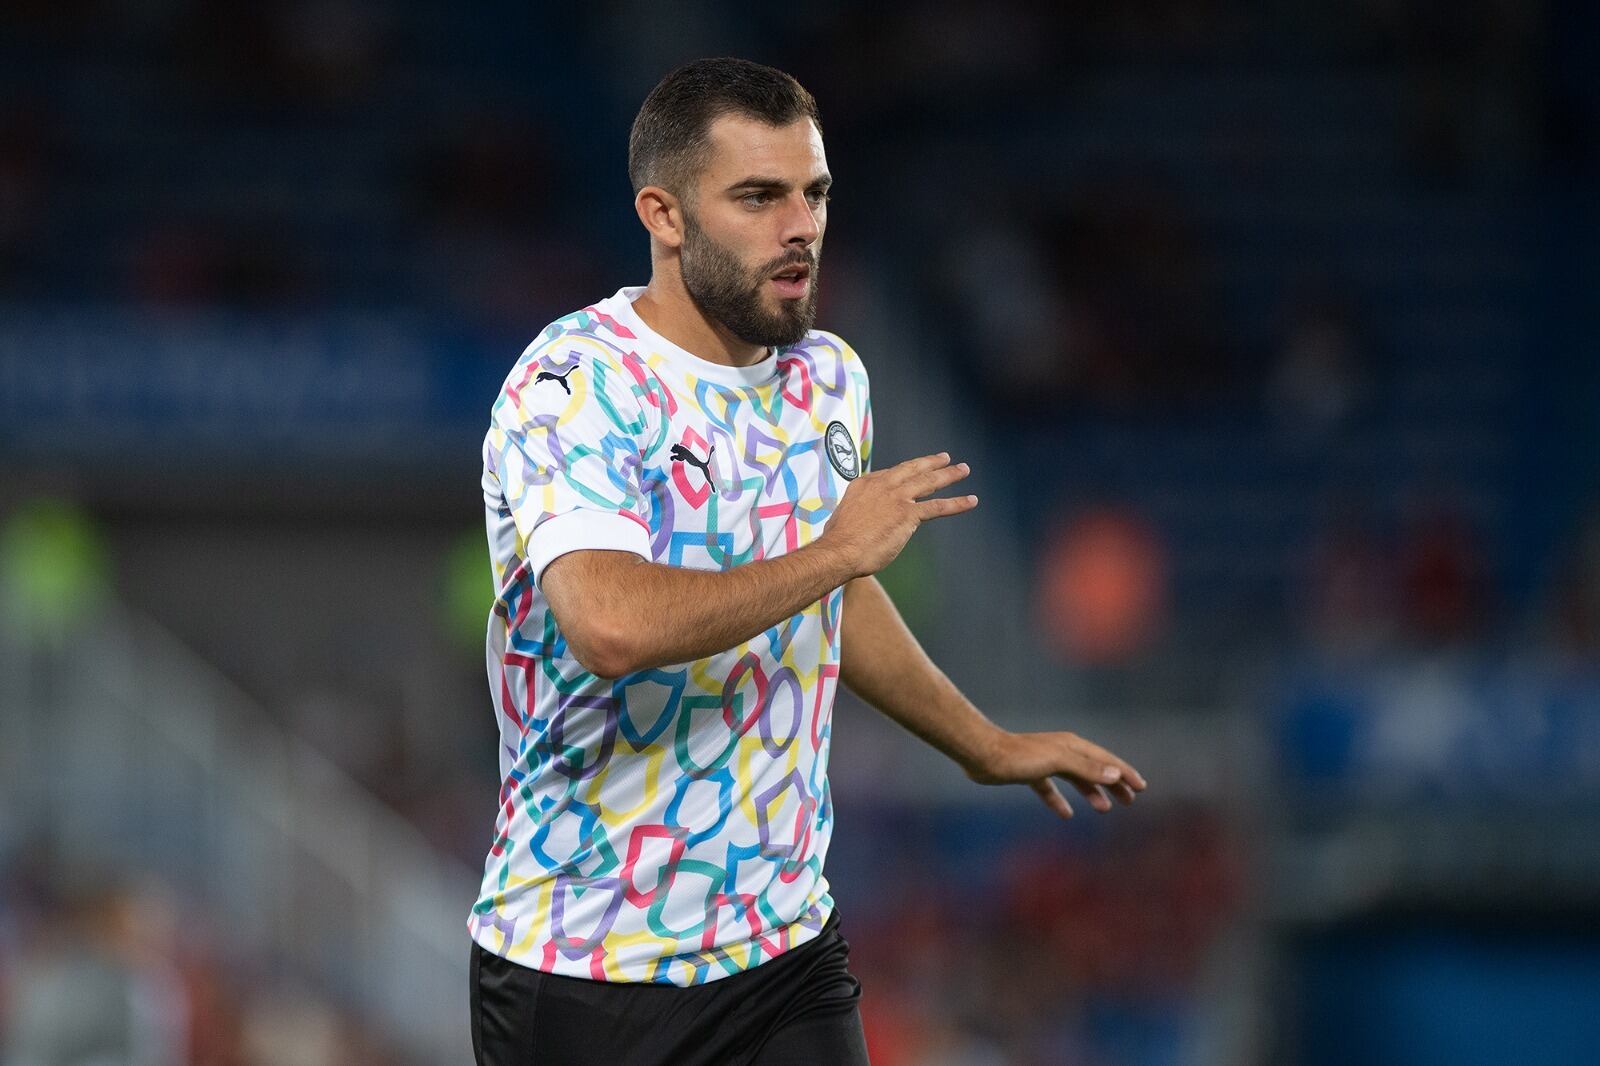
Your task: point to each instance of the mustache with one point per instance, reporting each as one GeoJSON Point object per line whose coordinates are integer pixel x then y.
{"type": "Point", "coordinates": [807, 258]}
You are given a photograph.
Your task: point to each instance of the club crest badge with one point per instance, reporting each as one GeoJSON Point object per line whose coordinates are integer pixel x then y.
{"type": "Point", "coordinates": [842, 451]}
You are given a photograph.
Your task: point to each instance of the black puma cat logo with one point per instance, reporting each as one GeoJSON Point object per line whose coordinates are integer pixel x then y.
{"type": "Point", "coordinates": [684, 455]}
{"type": "Point", "coordinates": [546, 375]}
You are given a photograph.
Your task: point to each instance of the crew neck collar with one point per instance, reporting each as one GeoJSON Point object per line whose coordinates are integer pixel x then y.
{"type": "Point", "coordinates": [762, 372]}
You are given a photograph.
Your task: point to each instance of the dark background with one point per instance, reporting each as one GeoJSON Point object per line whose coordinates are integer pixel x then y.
{"type": "Point", "coordinates": [1269, 334]}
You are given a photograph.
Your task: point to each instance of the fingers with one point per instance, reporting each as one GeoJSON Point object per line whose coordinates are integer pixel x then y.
{"type": "Point", "coordinates": [1098, 774]}
{"type": "Point", "coordinates": [929, 473]}
{"type": "Point", "coordinates": [1104, 758]}
{"type": "Point", "coordinates": [921, 465]}
{"type": "Point", "coordinates": [1052, 796]}
{"type": "Point", "coordinates": [949, 505]}
{"type": "Point", "coordinates": [931, 481]}
{"type": "Point", "coordinates": [1097, 789]}
{"type": "Point", "coordinates": [925, 476]}
{"type": "Point", "coordinates": [1095, 795]}
{"type": "Point", "coordinates": [1086, 767]}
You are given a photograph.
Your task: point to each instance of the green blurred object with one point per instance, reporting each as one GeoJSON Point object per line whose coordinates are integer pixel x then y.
{"type": "Point", "coordinates": [53, 568]}
{"type": "Point", "coordinates": [911, 582]}
{"type": "Point", "coordinates": [469, 590]}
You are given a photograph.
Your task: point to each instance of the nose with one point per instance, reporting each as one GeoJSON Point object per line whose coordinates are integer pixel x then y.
{"type": "Point", "coordinates": [800, 226]}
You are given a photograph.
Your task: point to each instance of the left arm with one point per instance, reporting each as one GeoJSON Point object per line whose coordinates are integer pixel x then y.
{"type": "Point", "coordinates": [881, 661]}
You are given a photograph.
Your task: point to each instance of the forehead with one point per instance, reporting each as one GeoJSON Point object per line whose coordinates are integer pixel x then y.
{"type": "Point", "coordinates": [742, 146]}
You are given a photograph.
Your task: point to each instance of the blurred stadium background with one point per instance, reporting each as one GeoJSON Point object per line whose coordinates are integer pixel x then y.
{"type": "Point", "coordinates": [1269, 333]}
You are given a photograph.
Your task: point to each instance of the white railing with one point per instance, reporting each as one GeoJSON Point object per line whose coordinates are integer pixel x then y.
{"type": "Point", "coordinates": [133, 756]}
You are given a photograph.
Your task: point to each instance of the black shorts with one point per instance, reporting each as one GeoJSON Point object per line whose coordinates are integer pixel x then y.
{"type": "Point", "coordinates": [801, 1007]}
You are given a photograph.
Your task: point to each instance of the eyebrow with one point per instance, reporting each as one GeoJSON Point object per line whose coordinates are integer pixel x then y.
{"type": "Point", "coordinates": [821, 181]}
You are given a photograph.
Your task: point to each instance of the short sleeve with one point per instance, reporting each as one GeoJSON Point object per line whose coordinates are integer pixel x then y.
{"type": "Point", "coordinates": [564, 441]}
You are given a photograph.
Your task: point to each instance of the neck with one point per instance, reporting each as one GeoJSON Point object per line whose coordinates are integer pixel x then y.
{"type": "Point", "coordinates": [666, 307]}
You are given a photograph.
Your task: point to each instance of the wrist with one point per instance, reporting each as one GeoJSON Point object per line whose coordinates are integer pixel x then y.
{"type": "Point", "coordinates": [984, 760]}
{"type": "Point", "coordinates": [836, 560]}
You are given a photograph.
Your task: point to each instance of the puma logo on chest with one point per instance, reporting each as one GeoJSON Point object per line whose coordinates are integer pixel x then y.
{"type": "Point", "coordinates": [683, 455]}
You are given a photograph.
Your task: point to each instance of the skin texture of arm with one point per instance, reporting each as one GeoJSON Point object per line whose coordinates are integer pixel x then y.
{"type": "Point", "coordinates": [881, 662]}
{"type": "Point", "coordinates": [621, 614]}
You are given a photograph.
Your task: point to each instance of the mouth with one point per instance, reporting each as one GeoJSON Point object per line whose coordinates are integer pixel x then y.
{"type": "Point", "coordinates": [792, 282]}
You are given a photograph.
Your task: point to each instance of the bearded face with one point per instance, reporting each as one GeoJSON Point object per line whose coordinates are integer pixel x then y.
{"type": "Point", "coordinates": [747, 300]}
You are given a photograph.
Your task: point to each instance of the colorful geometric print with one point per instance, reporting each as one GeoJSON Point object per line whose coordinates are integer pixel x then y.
{"type": "Point", "coordinates": [668, 826]}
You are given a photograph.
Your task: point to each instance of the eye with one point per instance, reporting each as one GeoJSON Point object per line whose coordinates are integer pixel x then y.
{"type": "Point", "coordinates": [756, 199]}
{"type": "Point", "coordinates": [818, 197]}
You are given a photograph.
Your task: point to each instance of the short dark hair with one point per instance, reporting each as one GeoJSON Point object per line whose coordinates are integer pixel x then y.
{"type": "Point", "coordinates": [670, 141]}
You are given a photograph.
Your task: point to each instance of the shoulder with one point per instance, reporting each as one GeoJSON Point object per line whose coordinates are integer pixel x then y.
{"type": "Point", "coordinates": [588, 337]}
{"type": "Point", "coordinates": [823, 346]}
{"type": "Point", "coordinates": [587, 343]}
{"type": "Point", "coordinates": [829, 358]}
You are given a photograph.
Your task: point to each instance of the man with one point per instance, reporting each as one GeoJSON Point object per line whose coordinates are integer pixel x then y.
{"type": "Point", "coordinates": [684, 536]}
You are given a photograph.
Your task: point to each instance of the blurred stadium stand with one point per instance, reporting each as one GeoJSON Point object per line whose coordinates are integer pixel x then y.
{"type": "Point", "coordinates": [1269, 335]}
{"type": "Point", "coordinates": [148, 766]}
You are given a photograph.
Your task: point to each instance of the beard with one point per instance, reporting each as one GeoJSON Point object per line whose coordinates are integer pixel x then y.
{"type": "Point", "coordinates": [727, 292]}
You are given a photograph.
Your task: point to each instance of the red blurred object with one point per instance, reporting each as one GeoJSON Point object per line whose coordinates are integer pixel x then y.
{"type": "Point", "coordinates": [1444, 575]}
{"type": "Point", "coordinates": [1103, 586]}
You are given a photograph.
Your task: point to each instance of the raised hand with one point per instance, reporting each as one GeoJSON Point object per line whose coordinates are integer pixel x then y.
{"type": "Point", "coordinates": [879, 511]}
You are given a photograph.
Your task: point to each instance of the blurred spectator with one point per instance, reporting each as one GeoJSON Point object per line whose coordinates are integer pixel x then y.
{"type": "Point", "coordinates": [489, 172]}
{"type": "Point", "coordinates": [280, 61]}
{"type": "Point", "coordinates": [1102, 302]}
{"type": "Point", "coordinates": [1033, 957]}
{"type": "Point", "coordinates": [1319, 379]}
{"type": "Point", "coordinates": [107, 976]}
{"type": "Point", "coordinates": [1000, 285]}
{"type": "Point", "coordinates": [193, 265]}
{"type": "Point", "coordinates": [1106, 943]}
{"type": "Point", "coordinates": [289, 1027]}
{"type": "Point", "coordinates": [97, 987]}
{"type": "Point", "coordinates": [1347, 596]}
{"type": "Point", "coordinates": [493, 243]}
{"type": "Point", "coordinates": [1140, 327]}
{"type": "Point", "coordinates": [1444, 579]}
{"type": "Point", "coordinates": [1102, 586]}
{"type": "Point", "coordinates": [215, 1014]}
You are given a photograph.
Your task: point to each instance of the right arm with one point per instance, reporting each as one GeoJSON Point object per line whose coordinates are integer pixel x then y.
{"type": "Point", "coordinates": [620, 614]}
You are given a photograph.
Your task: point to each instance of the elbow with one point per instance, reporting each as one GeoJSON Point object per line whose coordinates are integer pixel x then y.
{"type": "Point", "coordinates": [588, 593]}
{"type": "Point", "coordinates": [605, 649]}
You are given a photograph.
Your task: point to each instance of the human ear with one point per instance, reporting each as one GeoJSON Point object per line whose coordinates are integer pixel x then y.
{"type": "Point", "coordinates": [661, 213]}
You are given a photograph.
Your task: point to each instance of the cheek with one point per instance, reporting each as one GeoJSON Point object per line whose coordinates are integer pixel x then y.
{"type": "Point", "coordinates": [742, 240]}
